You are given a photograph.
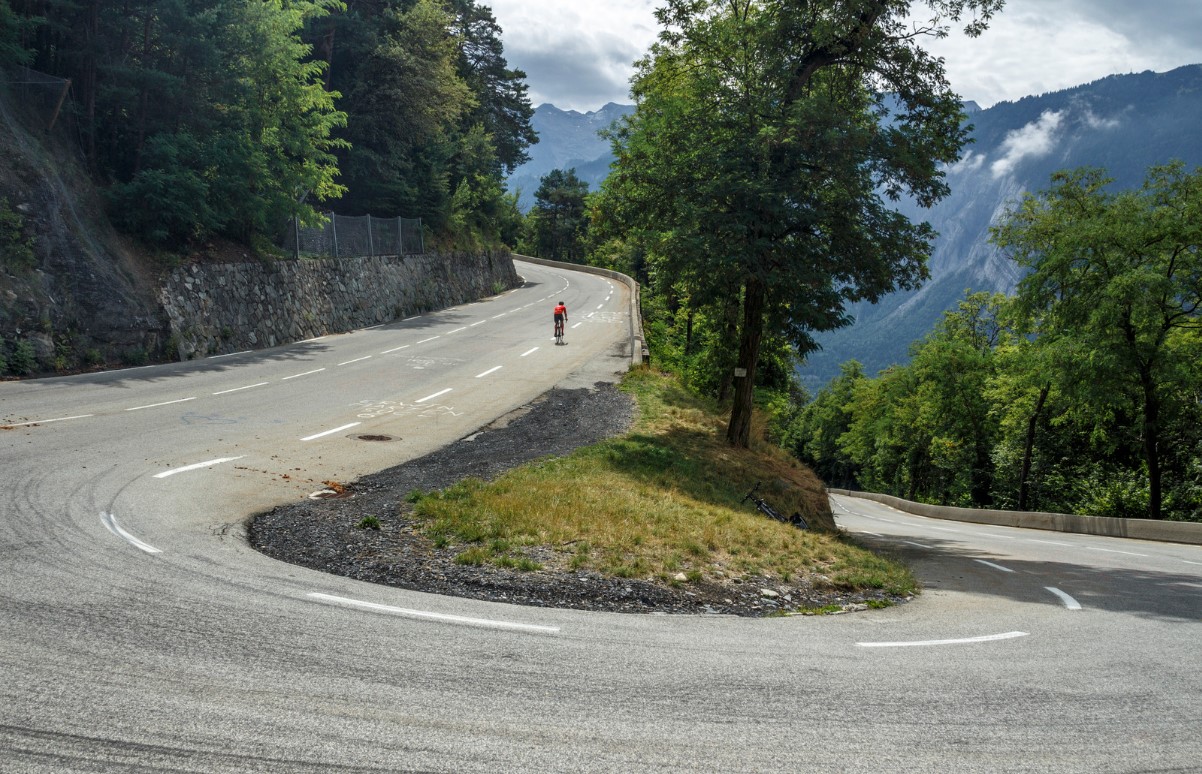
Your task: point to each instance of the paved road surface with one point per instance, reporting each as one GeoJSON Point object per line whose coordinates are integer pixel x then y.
{"type": "Point", "coordinates": [140, 633]}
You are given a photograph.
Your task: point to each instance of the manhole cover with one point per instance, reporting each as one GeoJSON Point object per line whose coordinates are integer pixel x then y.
{"type": "Point", "coordinates": [376, 438]}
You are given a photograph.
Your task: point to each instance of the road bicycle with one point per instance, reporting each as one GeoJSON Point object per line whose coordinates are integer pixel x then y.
{"type": "Point", "coordinates": [559, 331]}
{"type": "Point", "coordinates": [763, 507]}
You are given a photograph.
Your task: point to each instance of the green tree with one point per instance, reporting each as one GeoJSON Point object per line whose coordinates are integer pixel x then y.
{"type": "Point", "coordinates": [952, 367]}
{"type": "Point", "coordinates": [558, 216]}
{"type": "Point", "coordinates": [766, 139]}
{"type": "Point", "coordinates": [13, 29]}
{"type": "Point", "coordinates": [886, 438]}
{"type": "Point", "coordinates": [814, 435]}
{"type": "Point", "coordinates": [202, 116]}
{"type": "Point", "coordinates": [406, 100]}
{"type": "Point", "coordinates": [1121, 272]}
{"type": "Point", "coordinates": [502, 106]}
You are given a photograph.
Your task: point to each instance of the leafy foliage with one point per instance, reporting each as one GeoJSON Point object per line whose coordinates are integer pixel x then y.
{"type": "Point", "coordinates": [761, 153]}
{"type": "Point", "coordinates": [1081, 394]}
{"type": "Point", "coordinates": [558, 219]}
{"type": "Point", "coordinates": [16, 245]}
{"type": "Point", "coordinates": [228, 118]}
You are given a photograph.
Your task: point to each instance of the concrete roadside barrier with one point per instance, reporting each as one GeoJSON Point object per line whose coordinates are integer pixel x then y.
{"type": "Point", "coordinates": [1139, 529]}
{"type": "Point", "coordinates": [638, 345]}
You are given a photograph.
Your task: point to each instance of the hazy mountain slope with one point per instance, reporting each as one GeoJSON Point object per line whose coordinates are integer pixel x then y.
{"type": "Point", "coordinates": [567, 139]}
{"type": "Point", "coordinates": [1124, 123]}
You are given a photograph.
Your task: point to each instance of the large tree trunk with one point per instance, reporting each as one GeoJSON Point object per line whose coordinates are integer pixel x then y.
{"type": "Point", "coordinates": [730, 323]}
{"type": "Point", "coordinates": [738, 432]}
{"type": "Point", "coordinates": [1152, 443]}
{"type": "Point", "coordinates": [1024, 483]}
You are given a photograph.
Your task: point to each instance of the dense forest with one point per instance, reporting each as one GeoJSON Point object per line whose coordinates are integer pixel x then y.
{"type": "Point", "coordinates": [1079, 394]}
{"type": "Point", "coordinates": [226, 118]}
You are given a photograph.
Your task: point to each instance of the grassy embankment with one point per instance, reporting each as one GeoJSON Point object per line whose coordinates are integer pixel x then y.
{"type": "Point", "coordinates": [661, 501]}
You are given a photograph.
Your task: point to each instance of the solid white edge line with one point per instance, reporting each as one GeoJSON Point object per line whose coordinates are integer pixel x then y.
{"type": "Point", "coordinates": [1113, 551]}
{"type": "Point", "coordinates": [44, 421]}
{"type": "Point", "coordinates": [1068, 601]}
{"type": "Point", "coordinates": [962, 641]}
{"type": "Point", "coordinates": [238, 389]}
{"type": "Point", "coordinates": [994, 566]}
{"type": "Point", "coordinates": [356, 360]}
{"type": "Point", "coordinates": [435, 395]}
{"type": "Point", "coordinates": [165, 403]}
{"type": "Point", "coordinates": [195, 466]}
{"type": "Point", "coordinates": [306, 373]}
{"type": "Point", "coordinates": [444, 617]}
{"type": "Point", "coordinates": [110, 523]}
{"type": "Point", "coordinates": [489, 371]}
{"type": "Point", "coordinates": [330, 432]}
{"type": "Point", "coordinates": [310, 341]}
{"type": "Point", "coordinates": [912, 543]}
{"type": "Point", "coordinates": [529, 352]}
{"type": "Point", "coordinates": [231, 354]}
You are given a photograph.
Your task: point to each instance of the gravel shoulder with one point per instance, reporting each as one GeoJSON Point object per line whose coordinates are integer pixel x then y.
{"type": "Point", "coordinates": [324, 534]}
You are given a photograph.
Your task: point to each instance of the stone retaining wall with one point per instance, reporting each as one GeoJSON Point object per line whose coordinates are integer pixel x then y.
{"type": "Point", "coordinates": [220, 308]}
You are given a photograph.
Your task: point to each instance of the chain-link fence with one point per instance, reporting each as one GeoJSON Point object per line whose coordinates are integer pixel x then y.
{"type": "Point", "coordinates": [344, 236]}
{"type": "Point", "coordinates": [46, 94]}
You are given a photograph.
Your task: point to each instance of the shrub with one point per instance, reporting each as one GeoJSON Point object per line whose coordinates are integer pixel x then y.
{"type": "Point", "coordinates": [24, 360]}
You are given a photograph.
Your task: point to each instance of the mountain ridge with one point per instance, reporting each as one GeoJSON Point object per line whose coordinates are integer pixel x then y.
{"type": "Point", "coordinates": [1124, 123]}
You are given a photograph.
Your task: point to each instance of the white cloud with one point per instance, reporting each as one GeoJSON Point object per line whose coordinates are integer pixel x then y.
{"type": "Point", "coordinates": [1035, 46]}
{"type": "Point", "coordinates": [1033, 140]}
{"type": "Point", "coordinates": [970, 163]}
{"type": "Point", "coordinates": [577, 55]}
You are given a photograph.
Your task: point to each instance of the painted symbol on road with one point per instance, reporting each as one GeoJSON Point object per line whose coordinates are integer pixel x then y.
{"type": "Point", "coordinates": [371, 409]}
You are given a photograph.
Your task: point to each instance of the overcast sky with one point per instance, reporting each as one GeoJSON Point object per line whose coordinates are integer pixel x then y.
{"type": "Point", "coordinates": [578, 54]}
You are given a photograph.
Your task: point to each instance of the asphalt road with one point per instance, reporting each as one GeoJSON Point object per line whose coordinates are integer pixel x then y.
{"type": "Point", "coordinates": [140, 633]}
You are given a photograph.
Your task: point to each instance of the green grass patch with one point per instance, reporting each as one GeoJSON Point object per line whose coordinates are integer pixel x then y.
{"type": "Point", "coordinates": [660, 500]}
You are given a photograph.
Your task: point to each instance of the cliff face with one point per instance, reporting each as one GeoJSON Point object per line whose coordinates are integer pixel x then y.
{"type": "Point", "coordinates": [1123, 123]}
{"type": "Point", "coordinates": [83, 298]}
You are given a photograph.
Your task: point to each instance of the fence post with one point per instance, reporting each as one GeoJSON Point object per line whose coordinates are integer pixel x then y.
{"type": "Point", "coordinates": [371, 245]}
{"type": "Point", "coordinates": [400, 237]}
{"type": "Point", "coordinates": [421, 237]}
{"type": "Point", "coordinates": [296, 237]}
{"type": "Point", "coordinates": [334, 231]}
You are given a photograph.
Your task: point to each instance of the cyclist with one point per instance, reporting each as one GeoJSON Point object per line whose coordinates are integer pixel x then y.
{"type": "Point", "coordinates": [561, 316]}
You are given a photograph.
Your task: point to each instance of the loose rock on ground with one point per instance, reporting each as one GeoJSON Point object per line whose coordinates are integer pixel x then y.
{"type": "Point", "coordinates": [327, 534]}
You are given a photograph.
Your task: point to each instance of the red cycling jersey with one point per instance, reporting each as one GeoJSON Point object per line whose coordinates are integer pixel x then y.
{"type": "Point", "coordinates": [561, 312]}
